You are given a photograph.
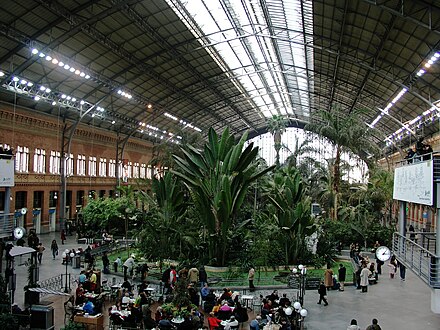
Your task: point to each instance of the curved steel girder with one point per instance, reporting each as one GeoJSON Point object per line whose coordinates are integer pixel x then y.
{"type": "Point", "coordinates": [336, 67]}
{"type": "Point", "coordinates": [388, 29]}
{"type": "Point", "coordinates": [81, 26]}
{"type": "Point", "coordinates": [360, 63]}
{"type": "Point", "coordinates": [77, 23]}
{"type": "Point", "coordinates": [248, 48]}
{"type": "Point", "coordinates": [407, 16]}
{"type": "Point", "coordinates": [142, 23]}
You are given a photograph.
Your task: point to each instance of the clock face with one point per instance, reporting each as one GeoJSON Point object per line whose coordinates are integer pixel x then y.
{"type": "Point", "coordinates": [18, 232]}
{"type": "Point", "coordinates": [383, 253]}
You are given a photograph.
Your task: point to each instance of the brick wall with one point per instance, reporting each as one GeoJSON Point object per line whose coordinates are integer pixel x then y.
{"type": "Point", "coordinates": [27, 128]}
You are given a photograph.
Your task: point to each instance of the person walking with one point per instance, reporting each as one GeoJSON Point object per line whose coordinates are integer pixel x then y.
{"type": "Point", "coordinates": [402, 270]}
{"type": "Point", "coordinates": [33, 241]}
{"type": "Point", "coordinates": [40, 249]}
{"type": "Point", "coordinates": [63, 236]}
{"type": "Point", "coordinates": [322, 290]}
{"type": "Point", "coordinates": [365, 274]}
{"type": "Point", "coordinates": [54, 249]}
{"type": "Point", "coordinates": [251, 276]}
{"type": "Point", "coordinates": [129, 266]}
{"type": "Point", "coordinates": [374, 325]}
{"type": "Point", "coordinates": [342, 271]}
{"type": "Point", "coordinates": [105, 263]}
{"type": "Point", "coordinates": [116, 263]}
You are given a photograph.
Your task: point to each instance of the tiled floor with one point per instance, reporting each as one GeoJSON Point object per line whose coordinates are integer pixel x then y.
{"type": "Point", "coordinates": [396, 304]}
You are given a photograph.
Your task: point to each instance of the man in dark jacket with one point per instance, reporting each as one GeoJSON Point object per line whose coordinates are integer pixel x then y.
{"type": "Point", "coordinates": [341, 275]}
{"type": "Point", "coordinates": [322, 293]}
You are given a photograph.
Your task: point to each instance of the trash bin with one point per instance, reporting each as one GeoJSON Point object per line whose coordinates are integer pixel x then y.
{"type": "Point", "coordinates": [76, 261]}
{"type": "Point", "coordinates": [42, 317]}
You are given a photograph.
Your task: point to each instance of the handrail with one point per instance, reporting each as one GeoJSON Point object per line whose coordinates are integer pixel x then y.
{"type": "Point", "coordinates": [424, 263]}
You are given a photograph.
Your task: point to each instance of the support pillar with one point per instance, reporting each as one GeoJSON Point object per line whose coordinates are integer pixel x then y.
{"type": "Point", "coordinates": [435, 301]}
{"type": "Point", "coordinates": [402, 228]}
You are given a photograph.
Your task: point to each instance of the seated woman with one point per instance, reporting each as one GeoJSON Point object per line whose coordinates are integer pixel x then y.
{"type": "Point", "coordinates": [79, 295]}
{"type": "Point", "coordinates": [213, 322]}
{"type": "Point", "coordinates": [231, 323]}
{"type": "Point", "coordinates": [69, 308]}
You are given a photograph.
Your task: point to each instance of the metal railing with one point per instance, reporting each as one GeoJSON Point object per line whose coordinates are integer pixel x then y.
{"type": "Point", "coordinates": [6, 224]}
{"type": "Point", "coordinates": [422, 262]}
{"type": "Point", "coordinates": [57, 283]}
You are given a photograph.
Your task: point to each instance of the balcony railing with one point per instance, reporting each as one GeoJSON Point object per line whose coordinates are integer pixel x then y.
{"type": "Point", "coordinates": [6, 224]}
{"type": "Point", "coordinates": [422, 262]}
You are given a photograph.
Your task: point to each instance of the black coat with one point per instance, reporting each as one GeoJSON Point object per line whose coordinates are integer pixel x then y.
{"type": "Point", "coordinates": [322, 290]}
{"type": "Point", "coordinates": [341, 274]}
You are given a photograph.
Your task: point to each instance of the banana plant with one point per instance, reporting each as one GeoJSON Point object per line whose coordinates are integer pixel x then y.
{"type": "Point", "coordinates": [218, 179]}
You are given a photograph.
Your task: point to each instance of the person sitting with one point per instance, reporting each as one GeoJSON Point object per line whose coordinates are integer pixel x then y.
{"type": "Point", "coordinates": [79, 300]}
{"type": "Point", "coordinates": [127, 285]}
{"type": "Point", "coordinates": [284, 301]}
{"type": "Point", "coordinates": [149, 323]}
{"type": "Point", "coordinates": [89, 307]}
{"type": "Point", "coordinates": [255, 323]}
{"type": "Point", "coordinates": [273, 296]}
{"type": "Point", "coordinates": [69, 308]}
{"type": "Point", "coordinates": [204, 291]}
{"type": "Point", "coordinates": [231, 323]}
{"type": "Point", "coordinates": [159, 315]}
{"type": "Point", "coordinates": [213, 322]}
{"type": "Point", "coordinates": [165, 324]}
{"type": "Point", "coordinates": [126, 298]}
{"type": "Point", "coordinates": [226, 295]}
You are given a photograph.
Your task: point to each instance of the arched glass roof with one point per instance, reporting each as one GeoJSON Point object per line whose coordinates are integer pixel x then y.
{"type": "Point", "coordinates": [152, 68]}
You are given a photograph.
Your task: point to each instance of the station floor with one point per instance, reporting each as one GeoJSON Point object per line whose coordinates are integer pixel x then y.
{"type": "Point", "coordinates": [396, 304]}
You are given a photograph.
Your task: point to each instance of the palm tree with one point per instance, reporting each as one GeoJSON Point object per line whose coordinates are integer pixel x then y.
{"type": "Point", "coordinates": [277, 126]}
{"type": "Point", "coordinates": [301, 149]}
{"type": "Point", "coordinates": [218, 178]}
{"type": "Point", "coordinates": [346, 132]}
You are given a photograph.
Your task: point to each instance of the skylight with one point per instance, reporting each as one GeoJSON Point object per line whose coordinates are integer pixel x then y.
{"type": "Point", "coordinates": [266, 58]}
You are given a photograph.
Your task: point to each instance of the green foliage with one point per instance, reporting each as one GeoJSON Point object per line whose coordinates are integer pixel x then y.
{"type": "Point", "coordinates": [348, 133]}
{"type": "Point", "coordinates": [276, 126]}
{"type": "Point", "coordinates": [218, 178]}
{"type": "Point", "coordinates": [107, 213]}
{"type": "Point", "coordinates": [289, 209]}
{"type": "Point", "coordinates": [164, 224]}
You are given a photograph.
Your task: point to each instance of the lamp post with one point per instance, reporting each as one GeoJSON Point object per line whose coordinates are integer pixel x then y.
{"type": "Point", "coordinates": [66, 255]}
{"type": "Point", "coordinates": [300, 312]}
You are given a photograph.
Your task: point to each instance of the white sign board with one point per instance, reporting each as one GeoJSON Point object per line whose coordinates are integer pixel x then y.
{"type": "Point", "coordinates": [6, 172]}
{"type": "Point", "coordinates": [414, 183]}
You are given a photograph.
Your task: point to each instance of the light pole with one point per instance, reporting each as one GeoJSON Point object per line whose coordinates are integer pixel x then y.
{"type": "Point", "coordinates": [300, 312]}
{"type": "Point", "coordinates": [66, 255]}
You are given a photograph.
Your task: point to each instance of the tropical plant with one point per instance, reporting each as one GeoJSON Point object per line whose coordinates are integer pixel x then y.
{"type": "Point", "coordinates": [301, 150]}
{"type": "Point", "coordinates": [276, 126]}
{"type": "Point", "coordinates": [218, 178]}
{"type": "Point", "coordinates": [290, 210]}
{"type": "Point", "coordinates": [164, 221]}
{"type": "Point", "coordinates": [346, 132]}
